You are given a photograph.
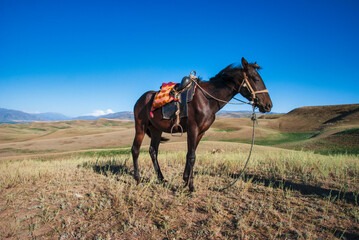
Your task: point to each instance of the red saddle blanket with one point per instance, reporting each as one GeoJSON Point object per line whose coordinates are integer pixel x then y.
{"type": "Point", "coordinates": [163, 96]}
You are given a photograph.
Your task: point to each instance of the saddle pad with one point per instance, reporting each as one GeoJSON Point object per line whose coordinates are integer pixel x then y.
{"type": "Point", "coordinates": [169, 110]}
{"type": "Point", "coordinates": [163, 96]}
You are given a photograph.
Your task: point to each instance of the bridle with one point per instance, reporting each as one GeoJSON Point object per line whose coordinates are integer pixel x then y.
{"type": "Point", "coordinates": [245, 83]}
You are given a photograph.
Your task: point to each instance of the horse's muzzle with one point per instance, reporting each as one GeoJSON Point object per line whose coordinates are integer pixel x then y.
{"type": "Point", "coordinates": [264, 108]}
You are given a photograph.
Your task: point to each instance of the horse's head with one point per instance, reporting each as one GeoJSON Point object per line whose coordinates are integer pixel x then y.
{"type": "Point", "coordinates": [253, 88]}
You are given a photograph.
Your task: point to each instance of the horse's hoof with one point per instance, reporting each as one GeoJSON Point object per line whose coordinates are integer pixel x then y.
{"type": "Point", "coordinates": [164, 182]}
{"type": "Point", "coordinates": [185, 177]}
{"type": "Point", "coordinates": [191, 189]}
{"type": "Point", "coordinates": [137, 180]}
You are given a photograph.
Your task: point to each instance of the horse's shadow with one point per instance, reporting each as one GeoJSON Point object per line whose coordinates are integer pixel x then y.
{"type": "Point", "coordinates": [304, 189]}
{"type": "Point", "coordinates": [309, 190]}
{"type": "Point", "coordinates": [115, 169]}
{"type": "Point", "coordinates": [111, 169]}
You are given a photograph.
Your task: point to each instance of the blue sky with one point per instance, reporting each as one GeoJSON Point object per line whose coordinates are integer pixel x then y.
{"type": "Point", "coordinates": [78, 57]}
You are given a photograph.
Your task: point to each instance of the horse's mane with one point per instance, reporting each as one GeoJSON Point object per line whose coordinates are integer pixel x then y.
{"type": "Point", "coordinates": [231, 72]}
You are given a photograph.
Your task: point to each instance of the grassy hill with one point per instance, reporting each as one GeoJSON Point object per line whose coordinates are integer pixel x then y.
{"type": "Point", "coordinates": [324, 129]}
{"type": "Point", "coordinates": [319, 118]}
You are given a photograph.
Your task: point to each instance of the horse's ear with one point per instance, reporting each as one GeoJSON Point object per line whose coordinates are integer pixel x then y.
{"type": "Point", "coordinates": [244, 63]}
{"type": "Point", "coordinates": [256, 66]}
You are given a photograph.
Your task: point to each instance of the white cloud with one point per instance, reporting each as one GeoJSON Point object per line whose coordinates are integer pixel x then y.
{"type": "Point", "coordinates": [97, 113]}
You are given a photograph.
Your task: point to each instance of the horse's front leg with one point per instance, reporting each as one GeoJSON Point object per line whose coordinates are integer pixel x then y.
{"type": "Point", "coordinates": [193, 138]}
{"type": "Point", "coordinates": [155, 142]}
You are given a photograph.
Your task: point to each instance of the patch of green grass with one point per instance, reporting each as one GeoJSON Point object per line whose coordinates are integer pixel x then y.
{"type": "Point", "coordinates": [7, 139]}
{"type": "Point", "coordinates": [24, 151]}
{"type": "Point", "coordinates": [237, 140]}
{"type": "Point", "coordinates": [284, 138]}
{"type": "Point", "coordinates": [109, 152]}
{"type": "Point", "coordinates": [344, 142]}
{"type": "Point", "coordinates": [205, 139]}
{"type": "Point", "coordinates": [60, 127]}
{"type": "Point", "coordinates": [275, 139]}
{"type": "Point", "coordinates": [338, 150]}
{"type": "Point", "coordinates": [38, 129]}
{"type": "Point", "coordinates": [329, 148]}
{"type": "Point", "coordinates": [224, 130]}
{"type": "Point", "coordinates": [349, 131]}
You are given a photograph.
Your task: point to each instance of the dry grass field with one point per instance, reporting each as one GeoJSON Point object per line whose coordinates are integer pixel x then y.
{"type": "Point", "coordinates": [73, 180]}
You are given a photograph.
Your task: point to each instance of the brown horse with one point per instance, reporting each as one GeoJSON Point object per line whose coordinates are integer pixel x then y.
{"type": "Point", "coordinates": [209, 98]}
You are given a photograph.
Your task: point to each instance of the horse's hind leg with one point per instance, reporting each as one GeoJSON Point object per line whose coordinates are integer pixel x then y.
{"type": "Point", "coordinates": [155, 142]}
{"type": "Point", "coordinates": [140, 133]}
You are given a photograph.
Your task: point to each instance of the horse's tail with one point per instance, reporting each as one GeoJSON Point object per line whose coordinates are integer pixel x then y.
{"type": "Point", "coordinates": [163, 139]}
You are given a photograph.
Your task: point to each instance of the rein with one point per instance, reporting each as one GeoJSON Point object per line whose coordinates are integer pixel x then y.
{"type": "Point", "coordinates": [220, 100]}
{"type": "Point", "coordinates": [245, 83]}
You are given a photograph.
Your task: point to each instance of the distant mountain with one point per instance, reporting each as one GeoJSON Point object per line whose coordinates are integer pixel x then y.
{"type": "Point", "coordinates": [15, 116]}
{"type": "Point", "coordinates": [119, 115]}
{"type": "Point", "coordinates": [89, 117]}
{"type": "Point", "coordinates": [52, 116]}
{"type": "Point", "coordinates": [126, 115]}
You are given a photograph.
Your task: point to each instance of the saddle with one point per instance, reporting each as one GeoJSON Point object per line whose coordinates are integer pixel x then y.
{"type": "Point", "coordinates": [173, 99]}
{"type": "Point", "coordinates": [185, 95]}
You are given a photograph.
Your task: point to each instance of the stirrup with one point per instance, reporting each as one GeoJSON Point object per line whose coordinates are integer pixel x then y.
{"type": "Point", "coordinates": [174, 134]}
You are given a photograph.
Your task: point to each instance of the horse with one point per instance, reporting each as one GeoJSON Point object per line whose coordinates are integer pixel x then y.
{"type": "Point", "coordinates": [210, 96]}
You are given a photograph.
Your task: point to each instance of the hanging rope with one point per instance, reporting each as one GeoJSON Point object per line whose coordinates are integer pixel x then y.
{"type": "Point", "coordinates": [254, 119]}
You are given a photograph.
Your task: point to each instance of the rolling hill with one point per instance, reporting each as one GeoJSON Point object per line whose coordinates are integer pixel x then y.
{"type": "Point", "coordinates": [324, 129]}
{"type": "Point", "coordinates": [317, 118]}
